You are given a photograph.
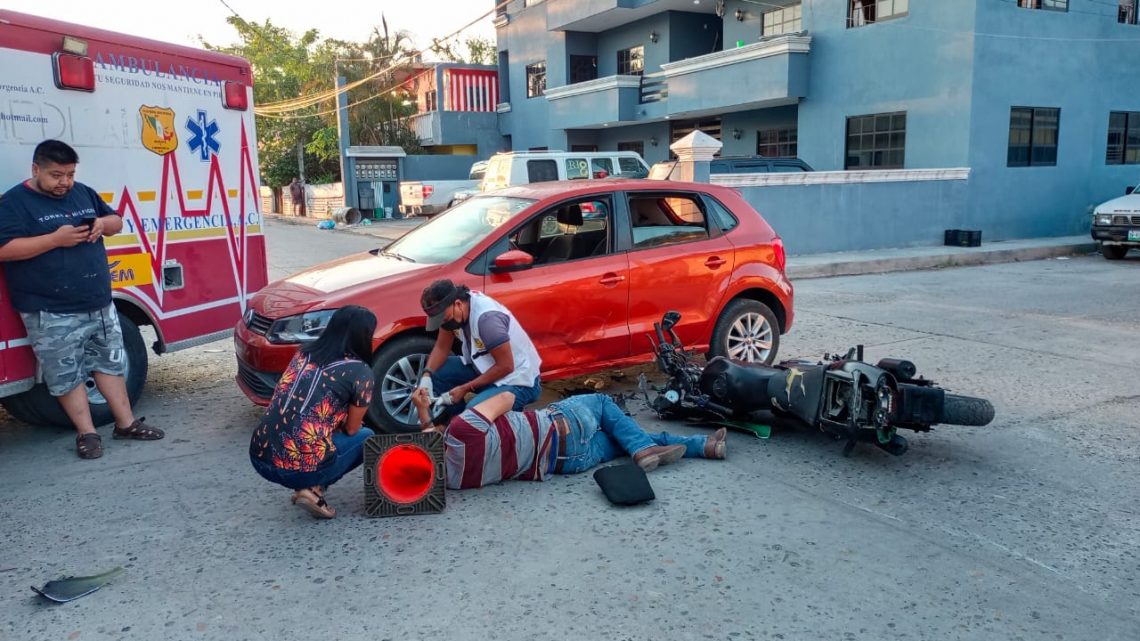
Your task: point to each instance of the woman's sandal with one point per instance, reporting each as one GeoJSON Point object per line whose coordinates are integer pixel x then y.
{"type": "Point", "coordinates": [138, 431]}
{"type": "Point", "coordinates": [89, 445]}
{"type": "Point", "coordinates": [314, 504]}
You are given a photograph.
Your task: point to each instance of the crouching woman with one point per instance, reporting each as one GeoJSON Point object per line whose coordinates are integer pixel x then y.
{"type": "Point", "coordinates": [311, 434]}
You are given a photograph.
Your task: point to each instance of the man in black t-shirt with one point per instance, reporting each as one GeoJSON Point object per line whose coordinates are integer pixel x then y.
{"type": "Point", "coordinates": [55, 265]}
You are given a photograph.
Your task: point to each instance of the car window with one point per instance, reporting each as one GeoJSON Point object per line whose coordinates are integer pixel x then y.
{"type": "Point", "coordinates": [602, 167]}
{"type": "Point", "coordinates": [666, 219]}
{"type": "Point", "coordinates": [577, 168]}
{"type": "Point", "coordinates": [568, 231]}
{"type": "Point", "coordinates": [538, 171]}
{"type": "Point", "coordinates": [632, 167]}
{"type": "Point", "coordinates": [719, 215]}
{"type": "Point", "coordinates": [478, 170]}
{"type": "Point", "coordinates": [777, 167]}
{"type": "Point", "coordinates": [454, 232]}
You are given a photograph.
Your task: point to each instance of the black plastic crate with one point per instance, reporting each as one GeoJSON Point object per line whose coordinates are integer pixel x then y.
{"type": "Point", "coordinates": [963, 237]}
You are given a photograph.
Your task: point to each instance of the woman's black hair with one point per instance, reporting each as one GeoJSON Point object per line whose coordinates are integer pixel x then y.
{"type": "Point", "coordinates": [349, 333]}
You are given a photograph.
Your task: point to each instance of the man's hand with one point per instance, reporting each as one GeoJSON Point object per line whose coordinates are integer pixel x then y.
{"type": "Point", "coordinates": [425, 384]}
{"type": "Point", "coordinates": [69, 236]}
{"type": "Point", "coordinates": [97, 229]}
{"type": "Point", "coordinates": [458, 393]}
{"type": "Point", "coordinates": [420, 398]}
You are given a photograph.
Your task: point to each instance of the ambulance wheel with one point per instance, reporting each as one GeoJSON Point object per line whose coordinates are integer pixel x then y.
{"type": "Point", "coordinates": [38, 407]}
{"type": "Point", "coordinates": [397, 367]}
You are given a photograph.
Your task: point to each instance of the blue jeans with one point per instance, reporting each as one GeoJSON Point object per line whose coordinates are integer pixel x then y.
{"type": "Point", "coordinates": [349, 455]}
{"type": "Point", "coordinates": [455, 373]}
{"type": "Point", "coordinates": [600, 432]}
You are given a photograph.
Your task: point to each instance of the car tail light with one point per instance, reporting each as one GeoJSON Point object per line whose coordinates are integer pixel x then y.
{"type": "Point", "coordinates": [234, 96]}
{"type": "Point", "coordinates": [73, 72]}
{"type": "Point", "coordinates": [427, 191]}
{"type": "Point", "coordinates": [778, 253]}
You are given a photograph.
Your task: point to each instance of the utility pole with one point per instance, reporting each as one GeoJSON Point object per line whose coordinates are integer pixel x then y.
{"type": "Point", "coordinates": [301, 160]}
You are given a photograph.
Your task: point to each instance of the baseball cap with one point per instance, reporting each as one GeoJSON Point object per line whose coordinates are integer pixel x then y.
{"type": "Point", "coordinates": [435, 300]}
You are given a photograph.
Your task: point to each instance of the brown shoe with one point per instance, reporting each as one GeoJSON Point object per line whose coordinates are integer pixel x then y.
{"type": "Point", "coordinates": [716, 444]}
{"type": "Point", "coordinates": [138, 431]}
{"type": "Point", "coordinates": [649, 458]}
{"type": "Point", "coordinates": [89, 445]}
{"type": "Point", "coordinates": [314, 504]}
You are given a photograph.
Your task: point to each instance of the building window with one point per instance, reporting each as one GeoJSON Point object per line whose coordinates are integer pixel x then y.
{"type": "Point", "coordinates": [776, 142]}
{"type": "Point", "coordinates": [430, 99]}
{"type": "Point", "coordinates": [583, 68]}
{"type": "Point", "coordinates": [531, 3]}
{"type": "Point", "coordinates": [1123, 138]}
{"type": "Point", "coordinates": [1127, 12]}
{"type": "Point", "coordinates": [631, 62]}
{"type": "Point", "coordinates": [635, 146]}
{"type": "Point", "coordinates": [863, 12]}
{"type": "Point", "coordinates": [536, 79]}
{"type": "Point", "coordinates": [784, 20]}
{"type": "Point", "coordinates": [1048, 5]}
{"type": "Point", "coordinates": [583, 148]}
{"type": "Point", "coordinates": [876, 141]}
{"type": "Point", "coordinates": [1033, 136]}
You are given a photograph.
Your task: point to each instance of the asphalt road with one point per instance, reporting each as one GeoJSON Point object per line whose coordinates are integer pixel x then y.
{"type": "Point", "coordinates": [1025, 529]}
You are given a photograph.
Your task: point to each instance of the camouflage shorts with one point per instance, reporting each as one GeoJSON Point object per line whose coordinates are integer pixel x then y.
{"type": "Point", "coordinates": [69, 347]}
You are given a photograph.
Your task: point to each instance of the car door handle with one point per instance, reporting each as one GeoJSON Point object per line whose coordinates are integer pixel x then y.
{"type": "Point", "coordinates": [714, 262]}
{"type": "Point", "coordinates": [611, 279]}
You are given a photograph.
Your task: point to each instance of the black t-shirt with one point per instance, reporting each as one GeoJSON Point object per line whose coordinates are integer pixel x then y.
{"type": "Point", "coordinates": [308, 405]}
{"type": "Point", "coordinates": [64, 280]}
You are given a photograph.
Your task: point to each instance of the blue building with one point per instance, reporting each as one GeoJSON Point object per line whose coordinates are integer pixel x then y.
{"type": "Point", "coordinates": [1031, 106]}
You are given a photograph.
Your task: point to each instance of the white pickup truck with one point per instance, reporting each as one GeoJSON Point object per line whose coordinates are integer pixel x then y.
{"type": "Point", "coordinates": [427, 197]}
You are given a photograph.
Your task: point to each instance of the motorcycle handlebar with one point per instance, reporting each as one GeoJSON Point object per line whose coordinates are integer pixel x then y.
{"type": "Point", "coordinates": [660, 335]}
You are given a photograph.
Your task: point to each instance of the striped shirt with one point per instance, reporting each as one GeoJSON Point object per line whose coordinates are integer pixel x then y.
{"type": "Point", "coordinates": [517, 445]}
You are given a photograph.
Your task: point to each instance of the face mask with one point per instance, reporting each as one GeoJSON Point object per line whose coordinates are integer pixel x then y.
{"type": "Point", "coordinates": [451, 325]}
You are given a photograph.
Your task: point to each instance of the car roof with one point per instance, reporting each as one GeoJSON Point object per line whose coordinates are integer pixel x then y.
{"type": "Point", "coordinates": [572, 188]}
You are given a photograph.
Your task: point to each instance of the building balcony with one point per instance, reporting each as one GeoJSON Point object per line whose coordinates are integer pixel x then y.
{"type": "Point", "coordinates": [763, 74]}
{"type": "Point", "coordinates": [452, 127]}
{"type": "Point", "coordinates": [595, 103]}
{"type": "Point", "coordinates": [600, 15]}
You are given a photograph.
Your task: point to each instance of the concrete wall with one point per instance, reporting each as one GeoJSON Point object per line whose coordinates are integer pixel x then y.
{"type": "Point", "coordinates": [631, 35]}
{"type": "Point", "coordinates": [860, 216]}
{"type": "Point", "coordinates": [441, 167]}
{"type": "Point", "coordinates": [749, 122]}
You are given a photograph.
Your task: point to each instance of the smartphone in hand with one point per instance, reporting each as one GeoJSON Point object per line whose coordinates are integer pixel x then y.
{"type": "Point", "coordinates": [87, 221]}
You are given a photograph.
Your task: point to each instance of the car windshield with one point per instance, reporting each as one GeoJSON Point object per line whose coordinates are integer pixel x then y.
{"type": "Point", "coordinates": [454, 232]}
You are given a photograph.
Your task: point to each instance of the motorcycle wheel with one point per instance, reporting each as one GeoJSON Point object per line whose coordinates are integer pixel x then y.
{"type": "Point", "coordinates": [966, 410]}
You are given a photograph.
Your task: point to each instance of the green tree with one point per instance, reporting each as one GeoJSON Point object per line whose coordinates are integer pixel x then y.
{"type": "Point", "coordinates": [480, 51]}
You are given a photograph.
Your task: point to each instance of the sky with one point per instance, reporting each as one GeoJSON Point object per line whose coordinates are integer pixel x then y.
{"type": "Point", "coordinates": [183, 21]}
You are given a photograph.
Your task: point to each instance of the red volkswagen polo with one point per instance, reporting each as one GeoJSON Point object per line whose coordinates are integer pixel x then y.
{"type": "Point", "coordinates": [586, 267]}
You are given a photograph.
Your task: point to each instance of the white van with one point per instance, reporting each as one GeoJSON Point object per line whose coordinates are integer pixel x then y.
{"type": "Point", "coordinates": [524, 167]}
{"type": "Point", "coordinates": [1116, 224]}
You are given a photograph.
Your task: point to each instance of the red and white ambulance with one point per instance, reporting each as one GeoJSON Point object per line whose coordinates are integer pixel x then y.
{"type": "Point", "coordinates": [165, 135]}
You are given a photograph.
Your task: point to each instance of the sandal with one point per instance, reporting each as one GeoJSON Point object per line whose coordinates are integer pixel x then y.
{"type": "Point", "coordinates": [138, 431]}
{"type": "Point", "coordinates": [314, 504]}
{"type": "Point", "coordinates": [89, 445]}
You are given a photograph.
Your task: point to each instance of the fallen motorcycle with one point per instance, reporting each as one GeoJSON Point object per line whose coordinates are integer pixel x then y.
{"type": "Point", "coordinates": [840, 395]}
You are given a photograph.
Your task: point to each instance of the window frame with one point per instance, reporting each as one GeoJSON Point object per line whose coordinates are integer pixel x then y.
{"type": "Point", "coordinates": [539, 77]}
{"type": "Point", "coordinates": [784, 21]}
{"type": "Point", "coordinates": [1044, 5]}
{"type": "Point", "coordinates": [790, 144]}
{"type": "Point", "coordinates": [1127, 15]}
{"type": "Point", "coordinates": [576, 60]}
{"type": "Point", "coordinates": [873, 134]}
{"type": "Point", "coordinates": [1131, 124]}
{"type": "Point", "coordinates": [508, 240]}
{"type": "Point", "coordinates": [1033, 131]}
{"type": "Point", "coordinates": [537, 161]}
{"type": "Point", "coordinates": [858, 16]}
{"type": "Point", "coordinates": [625, 67]}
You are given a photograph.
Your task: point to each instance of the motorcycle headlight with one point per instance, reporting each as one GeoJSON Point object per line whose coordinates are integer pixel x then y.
{"type": "Point", "coordinates": [299, 329]}
{"type": "Point", "coordinates": [1102, 219]}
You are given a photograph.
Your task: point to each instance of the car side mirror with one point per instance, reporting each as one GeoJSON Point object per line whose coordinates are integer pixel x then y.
{"type": "Point", "coordinates": [512, 261]}
{"type": "Point", "coordinates": [1129, 189]}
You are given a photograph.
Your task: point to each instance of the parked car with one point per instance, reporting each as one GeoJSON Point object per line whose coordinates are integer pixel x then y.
{"type": "Point", "coordinates": [524, 167]}
{"type": "Point", "coordinates": [1116, 224]}
{"type": "Point", "coordinates": [426, 197]}
{"type": "Point", "coordinates": [757, 165]}
{"type": "Point", "coordinates": [586, 266]}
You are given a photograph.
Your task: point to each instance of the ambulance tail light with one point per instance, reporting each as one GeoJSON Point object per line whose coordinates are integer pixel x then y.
{"type": "Point", "coordinates": [234, 96]}
{"type": "Point", "coordinates": [427, 191]}
{"type": "Point", "coordinates": [73, 72]}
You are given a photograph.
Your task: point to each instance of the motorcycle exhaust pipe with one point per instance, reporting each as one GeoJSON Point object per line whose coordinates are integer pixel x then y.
{"type": "Point", "coordinates": [903, 370]}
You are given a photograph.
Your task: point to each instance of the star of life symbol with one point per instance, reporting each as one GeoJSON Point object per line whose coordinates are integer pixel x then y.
{"type": "Point", "coordinates": [202, 132]}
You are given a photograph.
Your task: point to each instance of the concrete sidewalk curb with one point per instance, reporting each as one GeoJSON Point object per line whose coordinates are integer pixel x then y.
{"type": "Point", "coordinates": [955, 257]}
{"type": "Point", "coordinates": [390, 229]}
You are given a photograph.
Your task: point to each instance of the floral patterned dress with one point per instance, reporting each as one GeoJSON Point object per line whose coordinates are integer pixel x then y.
{"type": "Point", "coordinates": [309, 403]}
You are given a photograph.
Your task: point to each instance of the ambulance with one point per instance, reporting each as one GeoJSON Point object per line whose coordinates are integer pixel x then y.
{"type": "Point", "coordinates": [165, 135]}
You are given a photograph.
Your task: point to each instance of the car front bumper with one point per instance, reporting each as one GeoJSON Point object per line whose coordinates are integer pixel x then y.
{"type": "Point", "coordinates": [1117, 234]}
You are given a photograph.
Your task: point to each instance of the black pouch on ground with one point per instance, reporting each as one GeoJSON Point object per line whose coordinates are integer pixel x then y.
{"type": "Point", "coordinates": [624, 484]}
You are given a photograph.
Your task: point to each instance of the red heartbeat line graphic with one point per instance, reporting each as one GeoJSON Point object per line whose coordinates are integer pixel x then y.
{"type": "Point", "coordinates": [215, 182]}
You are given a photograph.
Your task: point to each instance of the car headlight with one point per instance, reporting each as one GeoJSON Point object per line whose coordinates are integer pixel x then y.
{"type": "Point", "coordinates": [247, 316]}
{"type": "Point", "coordinates": [299, 329]}
{"type": "Point", "coordinates": [1102, 219]}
